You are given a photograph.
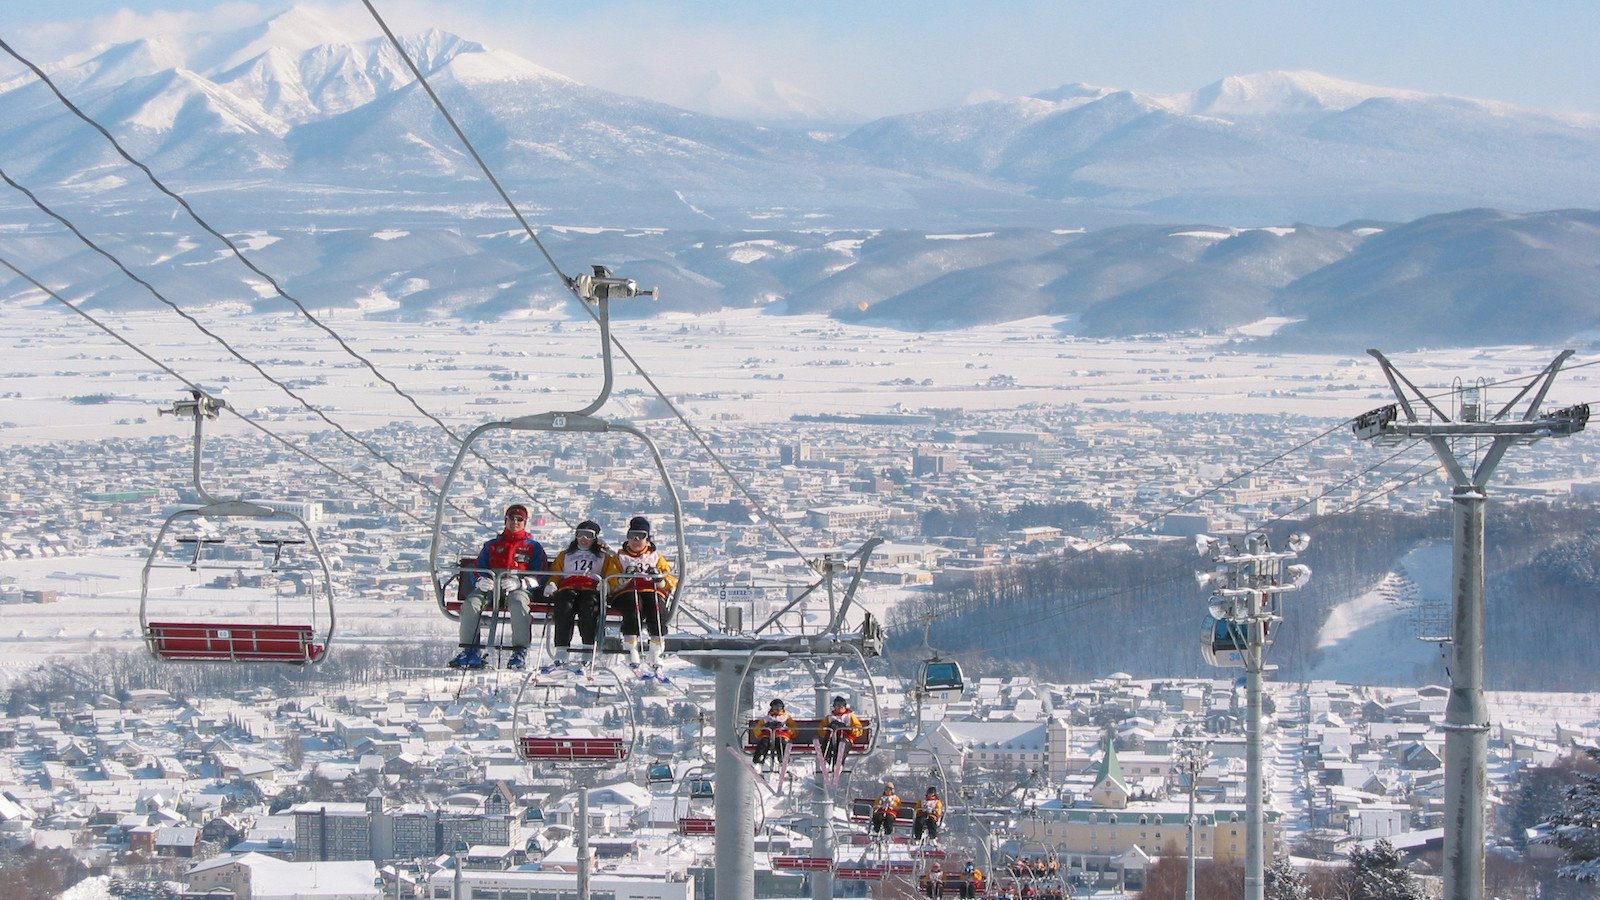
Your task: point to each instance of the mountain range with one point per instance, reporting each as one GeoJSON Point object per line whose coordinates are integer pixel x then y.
{"type": "Point", "coordinates": [1425, 214]}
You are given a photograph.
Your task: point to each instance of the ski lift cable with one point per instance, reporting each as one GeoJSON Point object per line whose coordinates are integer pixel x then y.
{"type": "Point", "coordinates": [193, 386]}
{"type": "Point", "coordinates": [277, 288]}
{"type": "Point", "coordinates": [90, 243]}
{"type": "Point", "coordinates": [705, 445]}
{"type": "Point", "coordinates": [439, 104]}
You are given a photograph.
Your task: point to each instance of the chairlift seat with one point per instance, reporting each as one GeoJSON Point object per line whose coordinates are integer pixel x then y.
{"type": "Point", "coordinates": [696, 825]}
{"type": "Point", "coordinates": [861, 811]}
{"type": "Point", "coordinates": [540, 607]}
{"type": "Point", "coordinates": [574, 749]}
{"type": "Point", "coordinates": [803, 863]}
{"type": "Point", "coordinates": [215, 642]}
{"type": "Point", "coordinates": [805, 736]}
{"type": "Point", "coordinates": [701, 789]}
{"type": "Point", "coordinates": [659, 773]}
{"type": "Point", "coordinates": [861, 873]}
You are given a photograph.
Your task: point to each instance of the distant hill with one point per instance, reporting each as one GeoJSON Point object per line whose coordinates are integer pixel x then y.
{"type": "Point", "coordinates": [294, 107]}
{"type": "Point", "coordinates": [1140, 612]}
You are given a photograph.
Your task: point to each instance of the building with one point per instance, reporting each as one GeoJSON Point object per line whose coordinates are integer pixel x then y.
{"type": "Point", "coordinates": [1097, 835]}
{"type": "Point", "coordinates": [848, 517]}
{"type": "Point", "coordinates": [1022, 746]}
{"type": "Point", "coordinates": [261, 877]}
{"type": "Point", "coordinates": [332, 831]}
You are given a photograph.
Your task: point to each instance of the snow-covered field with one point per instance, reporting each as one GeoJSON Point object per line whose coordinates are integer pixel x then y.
{"type": "Point", "coordinates": [739, 365]}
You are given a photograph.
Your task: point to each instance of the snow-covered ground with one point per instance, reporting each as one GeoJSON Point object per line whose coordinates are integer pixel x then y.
{"type": "Point", "coordinates": [1375, 638]}
{"type": "Point", "coordinates": [733, 365]}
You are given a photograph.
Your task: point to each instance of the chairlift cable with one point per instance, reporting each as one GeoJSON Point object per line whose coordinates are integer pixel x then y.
{"type": "Point", "coordinates": [569, 283]}
{"type": "Point", "coordinates": [193, 386]}
{"type": "Point", "coordinates": [439, 104]}
{"type": "Point", "coordinates": [89, 242]}
{"type": "Point", "coordinates": [277, 288]}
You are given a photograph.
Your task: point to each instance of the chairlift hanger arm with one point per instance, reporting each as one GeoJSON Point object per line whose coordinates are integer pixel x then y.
{"type": "Point", "coordinates": [202, 407]}
{"type": "Point", "coordinates": [599, 289]}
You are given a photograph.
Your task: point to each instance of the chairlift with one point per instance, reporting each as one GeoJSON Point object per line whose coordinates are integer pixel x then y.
{"type": "Point", "coordinates": [537, 741]}
{"type": "Point", "coordinates": [244, 619]}
{"type": "Point", "coordinates": [701, 789]}
{"type": "Point", "coordinates": [658, 773]}
{"type": "Point", "coordinates": [807, 730]}
{"type": "Point", "coordinates": [252, 614]}
{"type": "Point", "coordinates": [452, 572]}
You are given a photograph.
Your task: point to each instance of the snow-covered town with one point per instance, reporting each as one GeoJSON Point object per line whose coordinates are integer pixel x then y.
{"type": "Point", "coordinates": [240, 791]}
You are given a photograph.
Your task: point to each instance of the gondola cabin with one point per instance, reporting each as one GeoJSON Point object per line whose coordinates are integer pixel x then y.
{"type": "Point", "coordinates": [701, 789]}
{"type": "Point", "coordinates": [1223, 642]}
{"type": "Point", "coordinates": [942, 681]}
{"type": "Point", "coordinates": [658, 773]}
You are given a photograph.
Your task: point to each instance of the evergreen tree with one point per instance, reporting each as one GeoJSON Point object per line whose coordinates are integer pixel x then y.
{"type": "Point", "coordinates": [1379, 874]}
{"type": "Point", "coordinates": [1284, 881]}
{"type": "Point", "coordinates": [1578, 826]}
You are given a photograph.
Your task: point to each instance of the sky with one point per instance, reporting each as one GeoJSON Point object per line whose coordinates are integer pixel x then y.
{"type": "Point", "coordinates": [864, 60]}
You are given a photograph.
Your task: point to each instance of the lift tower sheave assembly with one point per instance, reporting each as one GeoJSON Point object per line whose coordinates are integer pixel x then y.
{"type": "Point", "coordinates": [1466, 714]}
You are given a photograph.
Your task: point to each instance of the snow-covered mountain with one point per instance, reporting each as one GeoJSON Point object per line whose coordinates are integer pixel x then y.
{"type": "Point", "coordinates": [1267, 148]}
{"type": "Point", "coordinates": [294, 102]}
{"type": "Point", "coordinates": [929, 219]}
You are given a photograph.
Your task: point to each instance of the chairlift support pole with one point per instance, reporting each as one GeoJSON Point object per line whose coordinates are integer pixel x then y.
{"type": "Point", "coordinates": [1466, 713]}
{"type": "Point", "coordinates": [731, 658]}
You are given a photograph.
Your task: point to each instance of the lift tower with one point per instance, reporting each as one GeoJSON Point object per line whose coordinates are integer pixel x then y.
{"type": "Point", "coordinates": [1466, 715]}
{"type": "Point", "coordinates": [731, 654]}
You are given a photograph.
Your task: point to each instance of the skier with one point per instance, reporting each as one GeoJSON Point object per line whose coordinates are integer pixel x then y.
{"type": "Point", "coordinates": [971, 879]}
{"type": "Point", "coordinates": [884, 810]}
{"type": "Point", "coordinates": [930, 812]}
{"type": "Point", "coordinates": [575, 589]}
{"type": "Point", "coordinates": [837, 729]}
{"type": "Point", "coordinates": [511, 551]}
{"type": "Point", "coordinates": [773, 732]}
{"type": "Point", "coordinates": [647, 579]}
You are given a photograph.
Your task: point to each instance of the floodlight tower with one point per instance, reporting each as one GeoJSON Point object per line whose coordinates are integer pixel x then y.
{"type": "Point", "coordinates": [1244, 606]}
{"type": "Point", "coordinates": [1466, 715]}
